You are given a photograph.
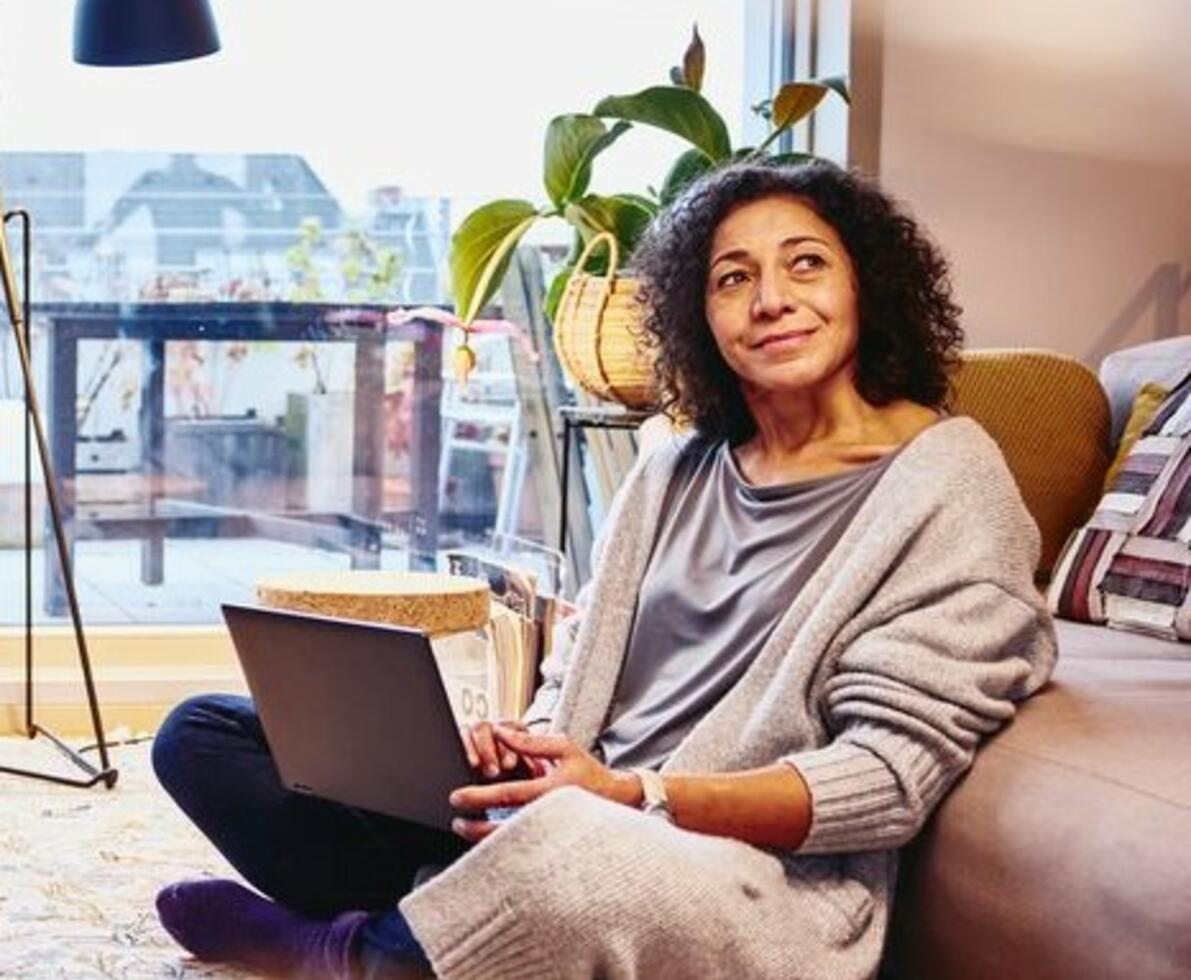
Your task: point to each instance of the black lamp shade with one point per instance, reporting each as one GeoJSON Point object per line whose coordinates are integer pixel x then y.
{"type": "Point", "coordinates": [142, 32]}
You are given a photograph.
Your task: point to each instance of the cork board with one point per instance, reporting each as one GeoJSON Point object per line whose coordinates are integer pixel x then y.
{"type": "Point", "coordinates": [431, 601]}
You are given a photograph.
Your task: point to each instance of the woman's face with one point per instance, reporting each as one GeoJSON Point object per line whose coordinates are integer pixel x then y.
{"type": "Point", "coordinates": [781, 297]}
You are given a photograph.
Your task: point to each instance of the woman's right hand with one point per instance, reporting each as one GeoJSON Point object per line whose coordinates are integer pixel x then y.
{"type": "Point", "coordinates": [487, 756]}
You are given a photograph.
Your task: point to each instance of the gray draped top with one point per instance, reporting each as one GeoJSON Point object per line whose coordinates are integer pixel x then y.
{"type": "Point", "coordinates": [728, 560]}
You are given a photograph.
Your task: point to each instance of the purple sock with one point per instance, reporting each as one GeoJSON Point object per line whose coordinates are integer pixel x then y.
{"type": "Point", "coordinates": [222, 921]}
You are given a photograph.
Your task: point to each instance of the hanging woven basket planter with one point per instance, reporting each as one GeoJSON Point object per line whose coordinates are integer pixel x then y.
{"type": "Point", "coordinates": [598, 333]}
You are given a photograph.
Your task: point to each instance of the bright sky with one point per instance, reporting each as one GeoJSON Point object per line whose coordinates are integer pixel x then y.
{"type": "Point", "coordinates": [446, 98]}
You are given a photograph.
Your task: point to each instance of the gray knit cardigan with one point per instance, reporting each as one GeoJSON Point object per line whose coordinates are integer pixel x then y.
{"type": "Point", "coordinates": [909, 645]}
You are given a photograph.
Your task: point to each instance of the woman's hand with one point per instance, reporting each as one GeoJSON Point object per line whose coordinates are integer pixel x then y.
{"type": "Point", "coordinates": [556, 761]}
{"type": "Point", "coordinates": [488, 757]}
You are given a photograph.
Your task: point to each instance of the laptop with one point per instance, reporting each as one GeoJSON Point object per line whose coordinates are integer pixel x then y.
{"type": "Point", "coordinates": [354, 712]}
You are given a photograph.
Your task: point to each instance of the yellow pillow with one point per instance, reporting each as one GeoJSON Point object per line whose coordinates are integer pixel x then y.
{"type": "Point", "coordinates": [1146, 403]}
{"type": "Point", "coordinates": [1050, 417]}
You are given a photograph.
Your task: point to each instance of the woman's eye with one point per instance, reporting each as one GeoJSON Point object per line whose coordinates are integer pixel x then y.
{"type": "Point", "coordinates": [733, 278]}
{"type": "Point", "coordinates": [807, 263]}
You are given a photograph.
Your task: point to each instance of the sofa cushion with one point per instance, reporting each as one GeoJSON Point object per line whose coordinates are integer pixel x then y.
{"type": "Point", "coordinates": [1123, 372]}
{"type": "Point", "coordinates": [1048, 415]}
{"type": "Point", "coordinates": [1084, 641]}
{"type": "Point", "coordinates": [1130, 566]}
{"type": "Point", "coordinates": [1149, 399]}
{"type": "Point", "coordinates": [1064, 852]}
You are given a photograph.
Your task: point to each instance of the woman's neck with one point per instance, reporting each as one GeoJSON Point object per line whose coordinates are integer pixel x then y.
{"type": "Point", "coordinates": [817, 433]}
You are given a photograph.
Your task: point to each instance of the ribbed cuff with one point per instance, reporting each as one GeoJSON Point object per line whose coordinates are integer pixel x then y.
{"type": "Point", "coordinates": [500, 946]}
{"type": "Point", "coordinates": [476, 940]}
{"type": "Point", "coordinates": [858, 800]}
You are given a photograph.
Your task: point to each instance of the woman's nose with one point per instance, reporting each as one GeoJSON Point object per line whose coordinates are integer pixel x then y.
{"type": "Point", "coordinates": [772, 297]}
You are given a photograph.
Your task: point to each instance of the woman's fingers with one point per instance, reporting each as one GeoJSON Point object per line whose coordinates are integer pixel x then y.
{"type": "Point", "coordinates": [516, 793]}
{"type": "Point", "coordinates": [473, 831]}
{"type": "Point", "coordinates": [527, 743]}
{"type": "Point", "coordinates": [489, 750]}
{"type": "Point", "coordinates": [469, 746]}
{"type": "Point", "coordinates": [509, 759]}
{"type": "Point", "coordinates": [486, 753]}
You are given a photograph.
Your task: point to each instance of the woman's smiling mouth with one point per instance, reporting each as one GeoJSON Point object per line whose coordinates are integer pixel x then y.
{"type": "Point", "coordinates": [784, 338]}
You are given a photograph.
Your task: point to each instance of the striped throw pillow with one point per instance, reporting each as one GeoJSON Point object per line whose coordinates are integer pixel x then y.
{"type": "Point", "coordinates": [1130, 565]}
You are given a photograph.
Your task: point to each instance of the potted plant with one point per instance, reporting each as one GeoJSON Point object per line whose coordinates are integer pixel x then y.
{"type": "Point", "coordinates": [482, 247]}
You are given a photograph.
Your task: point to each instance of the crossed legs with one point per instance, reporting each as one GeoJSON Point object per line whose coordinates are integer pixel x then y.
{"type": "Point", "coordinates": [316, 859]}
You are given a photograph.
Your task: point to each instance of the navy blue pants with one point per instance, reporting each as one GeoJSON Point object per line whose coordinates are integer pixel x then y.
{"type": "Point", "coordinates": [311, 855]}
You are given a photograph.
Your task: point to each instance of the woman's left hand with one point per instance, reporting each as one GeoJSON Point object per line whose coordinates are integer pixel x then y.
{"type": "Point", "coordinates": [558, 762]}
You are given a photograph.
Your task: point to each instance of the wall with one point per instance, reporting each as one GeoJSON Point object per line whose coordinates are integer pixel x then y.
{"type": "Point", "coordinates": [1048, 148]}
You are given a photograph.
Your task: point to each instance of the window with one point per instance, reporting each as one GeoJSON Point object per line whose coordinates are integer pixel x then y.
{"type": "Point", "coordinates": [197, 225]}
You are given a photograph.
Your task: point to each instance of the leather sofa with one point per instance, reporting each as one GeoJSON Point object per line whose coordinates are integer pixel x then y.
{"type": "Point", "coordinates": [1066, 850]}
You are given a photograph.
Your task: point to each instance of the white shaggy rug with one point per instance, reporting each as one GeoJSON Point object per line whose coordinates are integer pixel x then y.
{"type": "Point", "coordinates": [79, 869]}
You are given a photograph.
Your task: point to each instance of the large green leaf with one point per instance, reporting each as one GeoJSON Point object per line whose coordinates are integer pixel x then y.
{"type": "Point", "coordinates": [677, 110]}
{"type": "Point", "coordinates": [554, 293]}
{"type": "Point", "coordinates": [685, 170]}
{"type": "Point", "coordinates": [481, 249]}
{"type": "Point", "coordinates": [625, 216]}
{"type": "Point", "coordinates": [572, 142]}
{"type": "Point", "coordinates": [643, 202]}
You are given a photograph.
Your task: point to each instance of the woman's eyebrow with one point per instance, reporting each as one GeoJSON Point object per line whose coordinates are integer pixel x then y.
{"type": "Point", "coordinates": [732, 255]}
{"type": "Point", "coordinates": [742, 254]}
{"type": "Point", "coordinates": [799, 239]}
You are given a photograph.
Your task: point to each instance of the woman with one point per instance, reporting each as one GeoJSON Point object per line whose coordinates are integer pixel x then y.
{"type": "Point", "coordinates": [802, 621]}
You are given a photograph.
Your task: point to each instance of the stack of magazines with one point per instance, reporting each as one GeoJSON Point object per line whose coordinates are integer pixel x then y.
{"type": "Point", "coordinates": [490, 674]}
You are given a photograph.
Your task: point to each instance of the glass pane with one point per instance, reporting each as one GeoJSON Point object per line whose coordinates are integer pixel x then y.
{"type": "Point", "coordinates": [218, 246]}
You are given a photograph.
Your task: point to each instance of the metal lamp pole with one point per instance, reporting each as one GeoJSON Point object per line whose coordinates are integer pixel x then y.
{"type": "Point", "coordinates": [18, 314]}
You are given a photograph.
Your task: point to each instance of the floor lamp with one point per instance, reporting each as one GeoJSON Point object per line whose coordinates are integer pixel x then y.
{"type": "Point", "coordinates": [18, 315]}
{"type": "Point", "coordinates": [116, 33]}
